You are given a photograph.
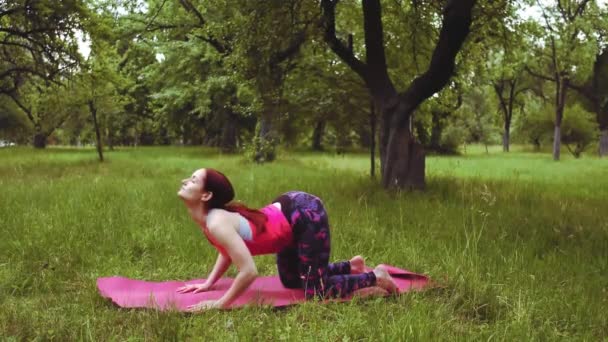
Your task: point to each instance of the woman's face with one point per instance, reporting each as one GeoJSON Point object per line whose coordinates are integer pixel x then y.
{"type": "Point", "coordinates": [192, 188]}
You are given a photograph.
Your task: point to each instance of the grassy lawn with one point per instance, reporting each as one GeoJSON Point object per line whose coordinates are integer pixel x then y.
{"type": "Point", "coordinates": [516, 244]}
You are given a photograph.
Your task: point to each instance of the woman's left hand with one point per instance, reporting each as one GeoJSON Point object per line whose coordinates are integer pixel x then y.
{"type": "Point", "coordinates": [204, 305]}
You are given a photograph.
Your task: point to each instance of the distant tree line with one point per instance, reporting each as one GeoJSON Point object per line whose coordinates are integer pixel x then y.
{"type": "Point", "coordinates": [403, 78]}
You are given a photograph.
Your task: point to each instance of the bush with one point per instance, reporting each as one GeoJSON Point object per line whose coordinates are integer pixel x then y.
{"type": "Point", "coordinates": [579, 129]}
{"type": "Point", "coordinates": [453, 136]}
{"type": "Point", "coordinates": [536, 127]}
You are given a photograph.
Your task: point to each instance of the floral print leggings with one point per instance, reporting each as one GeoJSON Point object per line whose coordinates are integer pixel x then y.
{"type": "Point", "coordinates": [305, 264]}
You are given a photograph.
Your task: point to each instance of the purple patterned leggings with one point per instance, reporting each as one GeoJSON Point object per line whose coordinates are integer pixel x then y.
{"type": "Point", "coordinates": [305, 264]}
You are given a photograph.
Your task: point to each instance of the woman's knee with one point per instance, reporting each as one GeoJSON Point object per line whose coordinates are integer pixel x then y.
{"type": "Point", "coordinates": [290, 282]}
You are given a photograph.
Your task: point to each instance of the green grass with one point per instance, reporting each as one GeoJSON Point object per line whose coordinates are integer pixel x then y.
{"type": "Point", "coordinates": [516, 244]}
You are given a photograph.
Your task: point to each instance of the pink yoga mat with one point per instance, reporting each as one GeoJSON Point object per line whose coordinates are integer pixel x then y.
{"type": "Point", "coordinates": [131, 293]}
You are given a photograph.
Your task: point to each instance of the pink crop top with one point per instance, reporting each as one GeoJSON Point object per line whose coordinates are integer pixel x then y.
{"type": "Point", "coordinates": [277, 234]}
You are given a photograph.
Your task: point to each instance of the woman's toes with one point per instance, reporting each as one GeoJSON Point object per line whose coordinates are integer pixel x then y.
{"type": "Point", "coordinates": [384, 279]}
{"type": "Point", "coordinates": [357, 264]}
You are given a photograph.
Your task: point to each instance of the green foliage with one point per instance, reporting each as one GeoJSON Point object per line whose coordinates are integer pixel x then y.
{"type": "Point", "coordinates": [205, 72]}
{"type": "Point", "coordinates": [565, 44]}
{"type": "Point", "coordinates": [537, 126]}
{"type": "Point", "coordinates": [321, 90]}
{"type": "Point", "coordinates": [452, 137]}
{"type": "Point", "coordinates": [14, 126]}
{"type": "Point", "coordinates": [474, 122]}
{"type": "Point", "coordinates": [37, 39]}
{"type": "Point", "coordinates": [579, 129]}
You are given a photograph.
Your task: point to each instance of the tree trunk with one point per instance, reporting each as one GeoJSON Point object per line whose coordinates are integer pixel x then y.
{"type": "Point", "coordinates": [229, 134]}
{"type": "Point", "coordinates": [505, 138]}
{"type": "Point", "coordinates": [110, 140]}
{"type": "Point", "coordinates": [372, 124]}
{"type": "Point", "coordinates": [317, 135]}
{"type": "Point", "coordinates": [40, 140]}
{"type": "Point", "coordinates": [405, 160]}
{"type": "Point", "coordinates": [562, 88]}
{"type": "Point", "coordinates": [557, 138]}
{"type": "Point", "coordinates": [265, 144]}
{"type": "Point", "coordinates": [402, 158]}
{"type": "Point", "coordinates": [600, 98]}
{"type": "Point", "coordinates": [436, 129]}
{"type": "Point", "coordinates": [93, 111]}
{"type": "Point", "coordinates": [385, 116]}
{"type": "Point", "coordinates": [604, 143]}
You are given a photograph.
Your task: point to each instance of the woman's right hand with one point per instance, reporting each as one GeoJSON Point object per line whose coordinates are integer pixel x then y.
{"type": "Point", "coordinates": [194, 288]}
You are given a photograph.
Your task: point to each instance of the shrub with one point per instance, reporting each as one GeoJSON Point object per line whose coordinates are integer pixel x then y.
{"type": "Point", "coordinates": [579, 129]}
{"type": "Point", "coordinates": [453, 136]}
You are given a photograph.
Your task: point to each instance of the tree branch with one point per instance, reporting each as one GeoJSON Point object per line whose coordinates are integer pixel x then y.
{"type": "Point", "coordinates": [374, 40]}
{"type": "Point", "coordinates": [586, 91]}
{"type": "Point", "coordinates": [219, 47]}
{"type": "Point", "coordinates": [580, 8]}
{"type": "Point", "coordinates": [499, 88]}
{"type": "Point", "coordinates": [155, 15]}
{"type": "Point", "coordinates": [190, 8]}
{"type": "Point", "coordinates": [512, 84]}
{"type": "Point", "coordinates": [522, 90]}
{"type": "Point", "coordinates": [20, 45]}
{"type": "Point", "coordinates": [27, 111]}
{"type": "Point", "coordinates": [415, 52]}
{"type": "Point", "coordinates": [565, 14]}
{"type": "Point", "coordinates": [538, 75]}
{"type": "Point", "coordinates": [216, 44]}
{"type": "Point", "coordinates": [59, 123]}
{"type": "Point", "coordinates": [455, 27]}
{"type": "Point", "coordinates": [11, 11]}
{"type": "Point", "coordinates": [347, 56]}
{"type": "Point", "coordinates": [293, 48]}
{"type": "Point", "coordinates": [553, 48]}
{"type": "Point", "coordinates": [21, 69]}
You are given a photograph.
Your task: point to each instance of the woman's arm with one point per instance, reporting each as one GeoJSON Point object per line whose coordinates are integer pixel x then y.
{"type": "Point", "coordinates": [241, 257]}
{"type": "Point", "coordinates": [221, 265]}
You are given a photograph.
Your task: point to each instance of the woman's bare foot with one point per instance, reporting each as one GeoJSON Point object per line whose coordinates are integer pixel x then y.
{"type": "Point", "coordinates": [357, 265]}
{"type": "Point", "coordinates": [384, 280]}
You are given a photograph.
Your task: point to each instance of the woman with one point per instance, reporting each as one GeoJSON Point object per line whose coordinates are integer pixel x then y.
{"type": "Point", "coordinates": [295, 227]}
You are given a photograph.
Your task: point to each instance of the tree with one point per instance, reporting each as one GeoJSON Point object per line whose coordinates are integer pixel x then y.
{"type": "Point", "coordinates": [324, 98]}
{"type": "Point", "coordinates": [579, 130]}
{"type": "Point", "coordinates": [269, 37]}
{"type": "Point", "coordinates": [595, 92]}
{"type": "Point", "coordinates": [99, 88]}
{"type": "Point", "coordinates": [254, 44]}
{"type": "Point", "coordinates": [433, 119]}
{"type": "Point", "coordinates": [37, 42]}
{"type": "Point", "coordinates": [506, 69]}
{"type": "Point", "coordinates": [402, 158]}
{"type": "Point", "coordinates": [46, 106]}
{"type": "Point", "coordinates": [536, 127]}
{"type": "Point", "coordinates": [564, 51]}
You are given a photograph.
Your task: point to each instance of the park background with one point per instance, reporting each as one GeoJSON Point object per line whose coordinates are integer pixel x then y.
{"type": "Point", "coordinates": [460, 139]}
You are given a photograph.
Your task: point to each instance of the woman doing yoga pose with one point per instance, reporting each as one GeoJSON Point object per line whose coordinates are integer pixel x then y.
{"type": "Point", "coordinates": [294, 226]}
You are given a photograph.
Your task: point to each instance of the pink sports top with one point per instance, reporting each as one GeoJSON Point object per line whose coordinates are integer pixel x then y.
{"type": "Point", "coordinates": [277, 234]}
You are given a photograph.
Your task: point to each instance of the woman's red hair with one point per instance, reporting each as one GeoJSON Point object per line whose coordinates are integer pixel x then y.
{"type": "Point", "coordinates": [223, 194]}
